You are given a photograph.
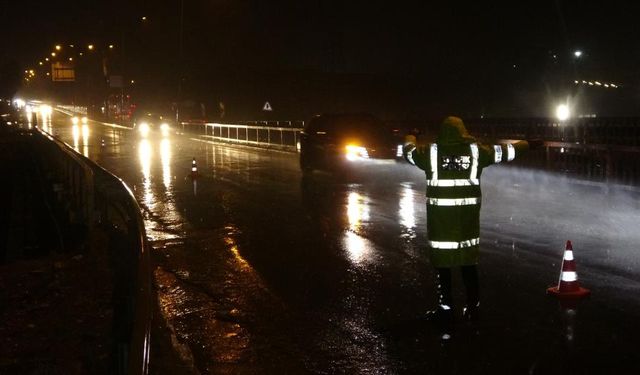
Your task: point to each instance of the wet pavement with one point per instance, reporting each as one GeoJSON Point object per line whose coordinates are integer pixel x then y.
{"type": "Point", "coordinates": [260, 270]}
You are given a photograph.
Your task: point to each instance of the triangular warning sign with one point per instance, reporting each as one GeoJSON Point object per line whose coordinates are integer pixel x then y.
{"type": "Point", "coordinates": [267, 107]}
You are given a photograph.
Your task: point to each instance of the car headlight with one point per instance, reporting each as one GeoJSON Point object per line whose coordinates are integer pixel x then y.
{"type": "Point", "coordinates": [356, 153]}
{"type": "Point", "coordinates": [164, 128]}
{"type": "Point", "coordinates": [75, 120]}
{"type": "Point", "coordinates": [143, 128]}
{"type": "Point", "coordinates": [84, 120]}
{"type": "Point", "coordinates": [45, 110]}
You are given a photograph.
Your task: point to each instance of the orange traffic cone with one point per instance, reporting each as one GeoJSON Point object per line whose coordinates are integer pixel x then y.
{"type": "Point", "coordinates": [568, 286]}
{"type": "Point", "coordinates": [194, 169]}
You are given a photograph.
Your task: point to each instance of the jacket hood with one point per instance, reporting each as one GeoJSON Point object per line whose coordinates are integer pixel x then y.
{"type": "Point", "coordinates": [453, 131]}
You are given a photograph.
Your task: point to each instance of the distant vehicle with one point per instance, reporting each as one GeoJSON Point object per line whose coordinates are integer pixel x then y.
{"type": "Point", "coordinates": [335, 142]}
{"type": "Point", "coordinates": [75, 120]}
{"type": "Point", "coordinates": [148, 124]}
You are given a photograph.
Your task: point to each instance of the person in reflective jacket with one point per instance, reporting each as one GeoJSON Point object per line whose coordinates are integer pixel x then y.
{"type": "Point", "coordinates": [453, 166]}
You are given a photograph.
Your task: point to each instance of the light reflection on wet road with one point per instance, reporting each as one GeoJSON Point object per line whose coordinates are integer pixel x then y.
{"type": "Point", "coordinates": [263, 271]}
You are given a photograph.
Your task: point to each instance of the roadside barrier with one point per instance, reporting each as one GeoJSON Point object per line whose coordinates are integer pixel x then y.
{"type": "Point", "coordinates": [72, 109]}
{"type": "Point", "coordinates": [280, 137]}
{"type": "Point", "coordinates": [103, 202]}
{"type": "Point", "coordinates": [593, 149]}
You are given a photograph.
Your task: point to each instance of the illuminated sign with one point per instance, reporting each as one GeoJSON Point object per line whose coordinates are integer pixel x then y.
{"type": "Point", "coordinates": [61, 72]}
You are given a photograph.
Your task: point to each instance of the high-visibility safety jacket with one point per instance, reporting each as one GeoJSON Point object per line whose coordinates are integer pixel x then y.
{"type": "Point", "coordinates": [453, 166]}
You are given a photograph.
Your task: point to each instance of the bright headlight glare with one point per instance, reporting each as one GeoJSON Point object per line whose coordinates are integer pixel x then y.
{"type": "Point", "coordinates": [85, 120]}
{"type": "Point", "coordinates": [74, 120]}
{"type": "Point", "coordinates": [45, 110]}
{"type": "Point", "coordinates": [356, 152]}
{"type": "Point", "coordinates": [562, 112]}
{"type": "Point", "coordinates": [164, 128]}
{"type": "Point", "coordinates": [144, 129]}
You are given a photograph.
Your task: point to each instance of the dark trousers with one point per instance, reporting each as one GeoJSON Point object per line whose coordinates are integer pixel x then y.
{"type": "Point", "coordinates": [469, 279]}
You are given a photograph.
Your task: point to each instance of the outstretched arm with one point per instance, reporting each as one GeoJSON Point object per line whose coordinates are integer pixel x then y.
{"type": "Point", "coordinates": [503, 152]}
{"type": "Point", "coordinates": [415, 153]}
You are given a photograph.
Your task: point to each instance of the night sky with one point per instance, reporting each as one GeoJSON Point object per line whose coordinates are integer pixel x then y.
{"type": "Point", "coordinates": [388, 57]}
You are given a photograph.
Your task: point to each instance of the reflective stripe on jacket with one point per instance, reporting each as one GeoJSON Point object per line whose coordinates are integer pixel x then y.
{"type": "Point", "coordinates": [453, 173]}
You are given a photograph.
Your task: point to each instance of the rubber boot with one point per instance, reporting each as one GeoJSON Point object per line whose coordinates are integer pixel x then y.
{"type": "Point", "coordinates": [471, 312]}
{"type": "Point", "coordinates": [442, 316]}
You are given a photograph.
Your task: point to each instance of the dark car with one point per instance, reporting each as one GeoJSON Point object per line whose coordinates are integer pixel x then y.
{"type": "Point", "coordinates": [150, 123]}
{"type": "Point", "coordinates": [336, 142]}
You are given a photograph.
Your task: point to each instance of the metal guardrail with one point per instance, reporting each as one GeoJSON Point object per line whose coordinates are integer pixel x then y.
{"type": "Point", "coordinates": [609, 132]}
{"type": "Point", "coordinates": [120, 210]}
{"type": "Point", "coordinates": [75, 109]}
{"type": "Point", "coordinates": [75, 180]}
{"type": "Point", "coordinates": [103, 200]}
{"type": "Point", "coordinates": [285, 138]}
{"type": "Point", "coordinates": [277, 123]}
{"type": "Point", "coordinates": [598, 149]}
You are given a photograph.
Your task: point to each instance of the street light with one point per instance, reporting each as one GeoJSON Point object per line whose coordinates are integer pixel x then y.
{"type": "Point", "coordinates": [53, 54]}
{"type": "Point", "coordinates": [577, 54]}
{"type": "Point", "coordinates": [58, 47]}
{"type": "Point", "coordinates": [90, 47]}
{"type": "Point", "coordinates": [562, 112]}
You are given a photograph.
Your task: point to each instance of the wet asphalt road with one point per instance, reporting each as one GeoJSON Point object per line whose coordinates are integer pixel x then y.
{"type": "Point", "coordinates": [261, 271]}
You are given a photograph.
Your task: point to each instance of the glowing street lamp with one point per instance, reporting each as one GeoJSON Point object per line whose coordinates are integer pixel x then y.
{"type": "Point", "coordinates": [53, 54]}
{"type": "Point", "coordinates": [562, 112]}
{"type": "Point", "coordinates": [577, 54]}
{"type": "Point", "coordinates": [58, 47]}
{"type": "Point", "coordinates": [90, 47]}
